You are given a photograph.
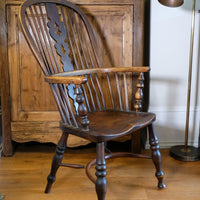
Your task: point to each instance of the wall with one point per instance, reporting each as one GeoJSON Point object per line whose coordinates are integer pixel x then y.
{"type": "Point", "coordinates": [169, 61]}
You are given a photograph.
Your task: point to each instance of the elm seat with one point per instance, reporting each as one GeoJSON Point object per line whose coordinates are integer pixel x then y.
{"type": "Point", "coordinates": [94, 102]}
{"type": "Point", "coordinates": [125, 123]}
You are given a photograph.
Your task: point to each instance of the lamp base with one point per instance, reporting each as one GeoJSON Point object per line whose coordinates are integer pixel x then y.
{"type": "Point", "coordinates": [180, 153]}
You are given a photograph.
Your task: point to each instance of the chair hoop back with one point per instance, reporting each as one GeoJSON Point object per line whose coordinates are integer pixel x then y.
{"type": "Point", "coordinates": [50, 23]}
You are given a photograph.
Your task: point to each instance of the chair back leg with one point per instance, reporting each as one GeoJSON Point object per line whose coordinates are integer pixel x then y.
{"type": "Point", "coordinates": [57, 159]}
{"type": "Point", "coordinates": [101, 183]}
{"type": "Point", "coordinates": [156, 156]}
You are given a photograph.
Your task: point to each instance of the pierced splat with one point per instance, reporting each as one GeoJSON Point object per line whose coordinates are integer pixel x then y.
{"type": "Point", "coordinates": [72, 95]}
{"type": "Point", "coordinates": [82, 110]}
{"type": "Point", "coordinates": [58, 33]}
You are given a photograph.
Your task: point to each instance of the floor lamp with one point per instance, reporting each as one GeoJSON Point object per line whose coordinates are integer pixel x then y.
{"type": "Point", "coordinates": [185, 152]}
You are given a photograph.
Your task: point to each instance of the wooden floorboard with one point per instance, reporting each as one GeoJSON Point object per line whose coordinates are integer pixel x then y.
{"type": "Point", "coordinates": [23, 177]}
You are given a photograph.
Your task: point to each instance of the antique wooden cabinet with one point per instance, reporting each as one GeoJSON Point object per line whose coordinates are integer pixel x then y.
{"type": "Point", "coordinates": [29, 111]}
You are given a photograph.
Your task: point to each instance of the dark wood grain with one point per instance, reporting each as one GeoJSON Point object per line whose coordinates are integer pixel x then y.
{"type": "Point", "coordinates": [108, 125]}
{"type": "Point", "coordinates": [5, 100]}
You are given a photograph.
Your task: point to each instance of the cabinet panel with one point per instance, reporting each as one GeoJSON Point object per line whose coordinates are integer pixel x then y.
{"type": "Point", "coordinates": [29, 92]}
{"type": "Point", "coordinates": [113, 27]}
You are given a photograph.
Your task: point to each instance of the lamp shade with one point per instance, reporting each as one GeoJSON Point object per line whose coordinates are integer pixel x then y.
{"type": "Point", "coordinates": [171, 3]}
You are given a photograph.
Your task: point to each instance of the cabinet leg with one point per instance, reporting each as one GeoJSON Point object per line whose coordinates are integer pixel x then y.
{"type": "Point", "coordinates": [57, 159]}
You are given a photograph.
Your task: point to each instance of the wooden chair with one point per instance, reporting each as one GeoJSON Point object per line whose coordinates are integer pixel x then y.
{"type": "Point", "coordinates": [93, 101]}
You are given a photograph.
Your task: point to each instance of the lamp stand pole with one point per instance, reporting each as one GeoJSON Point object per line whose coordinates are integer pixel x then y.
{"type": "Point", "coordinates": [185, 152]}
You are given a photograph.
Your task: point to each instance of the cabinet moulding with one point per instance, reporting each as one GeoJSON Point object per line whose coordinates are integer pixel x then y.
{"type": "Point", "coordinates": [85, 2]}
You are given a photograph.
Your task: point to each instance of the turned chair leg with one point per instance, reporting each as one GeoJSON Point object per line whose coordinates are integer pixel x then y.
{"type": "Point", "coordinates": [156, 156]}
{"type": "Point", "coordinates": [101, 183]}
{"type": "Point", "coordinates": [57, 159]}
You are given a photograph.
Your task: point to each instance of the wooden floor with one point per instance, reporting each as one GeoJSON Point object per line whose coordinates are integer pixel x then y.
{"type": "Point", "coordinates": [23, 177]}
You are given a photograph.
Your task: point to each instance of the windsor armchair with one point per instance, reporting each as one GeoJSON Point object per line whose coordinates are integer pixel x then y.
{"type": "Point", "coordinates": [93, 101]}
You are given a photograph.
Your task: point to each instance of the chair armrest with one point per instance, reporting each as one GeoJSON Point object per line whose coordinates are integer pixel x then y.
{"type": "Point", "coordinates": [66, 79]}
{"type": "Point", "coordinates": [101, 71]}
{"type": "Point", "coordinates": [127, 69]}
{"type": "Point", "coordinates": [79, 99]}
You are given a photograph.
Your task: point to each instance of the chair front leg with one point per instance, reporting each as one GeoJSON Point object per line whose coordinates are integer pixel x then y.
{"type": "Point", "coordinates": [57, 159]}
{"type": "Point", "coordinates": [101, 183]}
{"type": "Point", "coordinates": [156, 156]}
